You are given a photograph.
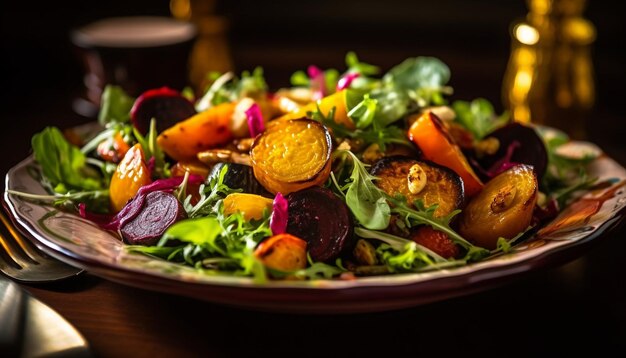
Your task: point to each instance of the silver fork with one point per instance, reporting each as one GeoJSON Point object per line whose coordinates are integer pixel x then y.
{"type": "Point", "coordinates": [22, 261]}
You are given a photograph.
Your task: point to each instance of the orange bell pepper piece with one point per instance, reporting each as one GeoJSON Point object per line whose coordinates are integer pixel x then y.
{"type": "Point", "coordinates": [430, 135]}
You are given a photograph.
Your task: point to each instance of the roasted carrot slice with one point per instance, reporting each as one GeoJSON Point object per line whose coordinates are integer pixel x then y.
{"type": "Point", "coordinates": [430, 135]}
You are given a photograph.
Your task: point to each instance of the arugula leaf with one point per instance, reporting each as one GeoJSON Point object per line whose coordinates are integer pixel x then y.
{"type": "Point", "coordinates": [425, 216]}
{"type": "Point", "coordinates": [363, 113]}
{"type": "Point", "coordinates": [152, 150]}
{"type": "Point", "coordinates": [197, 231]}
{"type": "Point", "coordinates": [115, 105]}
{"type": "Point", "coordinates": [478, 117]}
{"type": "Point", "coordinates": [365, 200]}
{"type": "Point", "coordinates": [370, 135]}
{"type": "Point", "coordinates": [63, 164]}
{"type": "Point", "coordinates": [423, 79]}
{"type": "Point", "coordinates": [229, 88]}
{"type": "Point", "coordinates": [216, 190]}
{"type": "Point", "coordinates": [564, 176]}
{"type": "Point", "coordinates": [393, 104]}
{"type": "Point", "coordinates": [356, 66]}
{"type": "Point", "coordinates": [316, 270]}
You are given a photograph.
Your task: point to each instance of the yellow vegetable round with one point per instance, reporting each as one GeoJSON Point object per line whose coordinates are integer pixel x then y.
{"type": "Point", "coordinates": [504, 207]}
{"type": "Point", "coordinates": [292, 155]}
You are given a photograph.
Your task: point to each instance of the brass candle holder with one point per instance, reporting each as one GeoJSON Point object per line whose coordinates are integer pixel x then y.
{"type": "Point", "coordinates": [550, 78]}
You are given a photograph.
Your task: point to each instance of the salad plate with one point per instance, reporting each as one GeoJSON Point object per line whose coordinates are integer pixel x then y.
{"type": "Point", "coordinates": [81, 243]}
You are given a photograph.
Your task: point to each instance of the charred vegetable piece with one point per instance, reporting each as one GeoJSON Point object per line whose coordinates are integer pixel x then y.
{"type": "Point", "coordinates": [130, 175]}
{"type": "Point", "coordinates": [436, 241]}
{"type": "Point", "coordinates": [250, 205]}
{"type": "Point", "coordinates": [203, 131]}
{"type": "Point", "coordinates": [431, 136]}
{"type": "Point", "coordinates": [292, 155]}
{"type": "Point", "coordinates": [159, 211]}
{"type": "Point", "coordinates": [164, 104]}
{"type": "Point", "coordinates": [528, 148]}
{"type": "Point", "coordinates": [365, 253]}
{"type": "Point", "coordinates": [503, 209]}
{"type": "Point", "coordinates": [239, 176]}
{"type": "Point", "coordinates": [282, 252]}
{"type": "Point", "coordinates": [321, 219]}
{"type": "Point", "coordinates": [437, 184]}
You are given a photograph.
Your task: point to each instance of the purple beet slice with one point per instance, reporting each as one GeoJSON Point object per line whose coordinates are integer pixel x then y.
{"type": "Point", "coordinates": [317, 216]}
{"type": "Point", "coordinates": [159, 211]}
{"type": "Point", "coordinates": [165, 105]}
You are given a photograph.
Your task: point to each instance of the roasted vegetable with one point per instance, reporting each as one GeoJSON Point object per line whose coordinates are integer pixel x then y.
{"type": "Point", "coordinates": [437, 184]}
{"type": "Point", "coordinates": [190, 166]}
{"type": "Point", "coordinates": [159, 210]}
{"type": "Point", "coordinates": [504, 208]}
{"type": "Point", "coordinates": [113, 149]}
{"type": "Point", "coordinates": [321, 219]}
{"type": "Point", "coordinates": [282, 252]}
{"type": "Point", "coordinates": [365, 253]}
{"type": "Point", "coordinates": [336, 100]}
{"type": "Point", "coordinates": [239, 176]}
{"type": "Point", "coordinates": [250, 205]}
{"type": "Point", "coordinates": [430, 135]}
{"type": "Point", "coordinates": [292, 155]}
{"type": "Point", "coordinates": [165, 105]}
{"type": "Point", "coordinates": [130, 175]}
{"type": "Point", "coordinates": [436, 241]}
{"type": "Point", "coordinates": [203, 131]}
{"type": "Point", "coordinates": [525, 147]}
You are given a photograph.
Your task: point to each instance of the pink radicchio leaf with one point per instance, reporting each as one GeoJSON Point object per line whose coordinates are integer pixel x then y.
{"type": "Point", "coordinates": [505, 162]}
{"type": "Point", "coordinates": [168, 184]}
{"type": "Point", "coordinates": [255, 120]}
{"type": "Point", "coordinates": [345, 81]}
{"type": "Point", "coordinates": [318, 82]}
{"type": "Point", "coordinates": [280, 214]}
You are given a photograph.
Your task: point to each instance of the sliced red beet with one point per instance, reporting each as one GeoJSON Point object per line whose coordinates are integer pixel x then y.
{"type": "Point", "coordinates": [317, 216]}
{"type": "Point", "coordinates": [524, 146]}
{"type": "Point", "coordinates": [165, 105]}
{"type": "Point", "coordinates": [159, 211]}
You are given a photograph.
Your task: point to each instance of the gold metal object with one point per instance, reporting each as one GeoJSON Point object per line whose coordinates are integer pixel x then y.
{"type": "Point", "coordinates": [211, 51]}
{"type": "Point", "coordinates": [549, 78]}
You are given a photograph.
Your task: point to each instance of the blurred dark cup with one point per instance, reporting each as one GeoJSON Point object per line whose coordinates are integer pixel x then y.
{"type": "Point", "coordinates": [136, 53]}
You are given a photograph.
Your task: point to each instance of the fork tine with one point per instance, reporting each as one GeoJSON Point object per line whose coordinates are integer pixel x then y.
{"type": "Point", "coordinates": [23, 261]}
{"type": "Point", "coordinates": [19, 239]}
{"type": "Point", "coordinates": [18, 257]}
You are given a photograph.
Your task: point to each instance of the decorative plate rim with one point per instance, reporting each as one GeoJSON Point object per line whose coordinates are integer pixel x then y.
{"type": "Point", "coordinates": [433, 283]}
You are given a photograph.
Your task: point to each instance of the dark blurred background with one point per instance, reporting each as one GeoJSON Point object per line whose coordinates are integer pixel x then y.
{"type": "Point", "coordinates": [42, 74]}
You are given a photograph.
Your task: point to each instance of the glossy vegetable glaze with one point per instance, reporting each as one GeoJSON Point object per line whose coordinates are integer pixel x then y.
{"type": "Point", "coordinates": [292, 155]}
{"type": "Point", "coordinates": [442, 187]}
{"type": "Point", "coordinates": [504, 208]}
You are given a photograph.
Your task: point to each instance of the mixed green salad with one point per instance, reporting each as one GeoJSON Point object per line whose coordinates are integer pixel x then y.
{"type": "Point", "coordinates": [346, 173]}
